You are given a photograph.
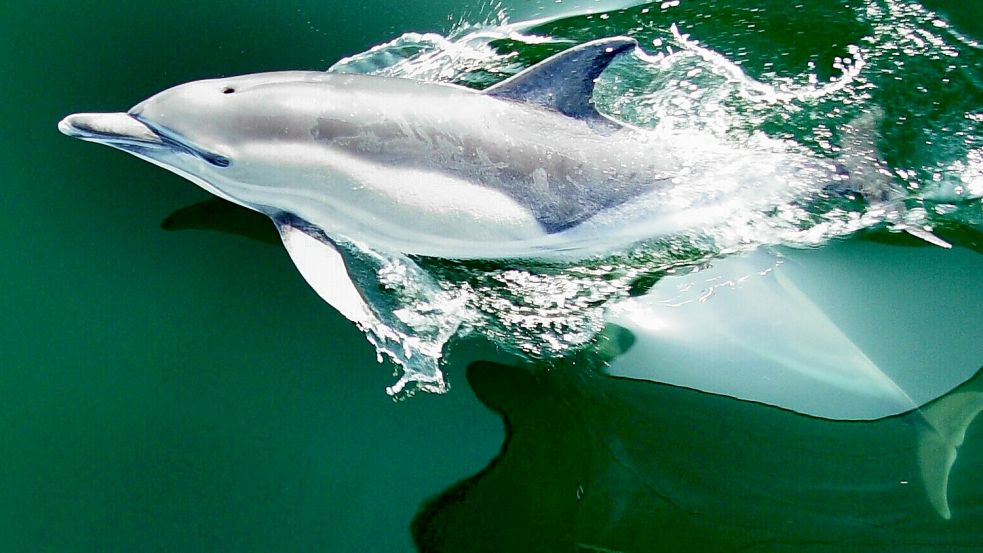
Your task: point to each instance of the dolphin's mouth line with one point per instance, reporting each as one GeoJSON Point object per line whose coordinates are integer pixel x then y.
{"type": "Point", "coordinates": [130, 132]}
{"type": "Point", "coordinates": [170, 139]}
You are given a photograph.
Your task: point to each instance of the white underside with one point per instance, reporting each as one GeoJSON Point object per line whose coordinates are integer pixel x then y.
{"type": "Point", "coordinates": [394, 209]}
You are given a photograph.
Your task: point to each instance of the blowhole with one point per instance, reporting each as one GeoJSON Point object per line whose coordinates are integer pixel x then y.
{"type": "Point", "coordinates": [228, 90]}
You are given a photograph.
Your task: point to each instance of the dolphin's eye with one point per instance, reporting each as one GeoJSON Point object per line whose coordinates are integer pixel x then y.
{"type": "Point", "coordinates": [228, 90]}
{"type": "Point", "coordinates": [216, 160]}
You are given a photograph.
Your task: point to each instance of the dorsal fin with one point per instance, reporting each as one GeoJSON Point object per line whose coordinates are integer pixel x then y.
{"type": "Point", "coordinates": [565, 82]}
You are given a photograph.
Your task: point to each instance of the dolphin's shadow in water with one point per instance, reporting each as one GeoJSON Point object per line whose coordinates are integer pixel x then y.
{"type": "Point", "coordinates": [223, 216]}
{"type": "Point", "coordinates": [599, 463]}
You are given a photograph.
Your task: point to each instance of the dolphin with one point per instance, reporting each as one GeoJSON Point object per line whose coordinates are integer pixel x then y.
{"type": "Point", "coordinates": [527, 168]}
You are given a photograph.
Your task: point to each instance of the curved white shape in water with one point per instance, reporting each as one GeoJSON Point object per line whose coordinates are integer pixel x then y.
{"type": "Point", "coordinates": [751, 327]}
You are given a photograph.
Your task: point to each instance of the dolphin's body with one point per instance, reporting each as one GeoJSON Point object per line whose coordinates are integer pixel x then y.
{"type": "Point", "coordinates": [527, 168]}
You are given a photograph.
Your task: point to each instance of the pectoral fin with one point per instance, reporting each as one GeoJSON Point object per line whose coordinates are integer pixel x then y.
{"type": "Point", "coordinates": [323, 267]}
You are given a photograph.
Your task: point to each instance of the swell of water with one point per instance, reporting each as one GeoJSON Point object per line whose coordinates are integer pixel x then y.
{"type": "Point", "coordinates": [746, 74]}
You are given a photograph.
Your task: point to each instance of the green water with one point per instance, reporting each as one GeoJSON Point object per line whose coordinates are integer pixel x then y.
{"type": "Point", "coordinates": [187, 391]}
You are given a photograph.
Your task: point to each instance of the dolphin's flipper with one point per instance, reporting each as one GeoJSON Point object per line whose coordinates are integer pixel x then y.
{"type": "Point", "coordinates": [565, 82]}
{"type": "Point", "coordinates": [323, 267]}
{"type": "Point", "coordinates": [332, 270]}
{"type": "Point", "coordinates": [939, 441]}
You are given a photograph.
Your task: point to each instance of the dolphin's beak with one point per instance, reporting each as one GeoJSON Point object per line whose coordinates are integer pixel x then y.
{"type": "Point", "coordinates": [128, 133]}
{"type": "Point", "coordinates": [114, 129]}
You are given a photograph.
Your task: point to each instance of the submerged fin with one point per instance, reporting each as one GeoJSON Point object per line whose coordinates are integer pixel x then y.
{"type": "Point", "coordinates": [323, 267]}
{"type": "Point", "coordinates": [922, 234]}
{"type": "Point", "coordinates": [565, 82]}
{"type": "Point", "coordinates": [860, 159]}
{"type": "Point", "coordinates": [939, 441]}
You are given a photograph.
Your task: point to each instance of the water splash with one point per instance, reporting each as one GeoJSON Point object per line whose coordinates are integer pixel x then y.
{"type": "Point", "coordinates": [701, 74]}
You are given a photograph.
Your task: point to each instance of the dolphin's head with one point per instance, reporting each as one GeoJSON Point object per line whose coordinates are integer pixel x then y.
{"type": "Point", "coordinates": [205, 130]}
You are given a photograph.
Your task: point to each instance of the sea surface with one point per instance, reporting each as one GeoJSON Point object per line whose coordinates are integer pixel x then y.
{"type": "Point", "coordinates": [169, 382]}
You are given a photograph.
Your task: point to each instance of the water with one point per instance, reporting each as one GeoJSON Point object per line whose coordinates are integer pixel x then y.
{"type": "Point", "coordinates": [740, 75]}
{"type": "Point", "coordinates": [185, 390]}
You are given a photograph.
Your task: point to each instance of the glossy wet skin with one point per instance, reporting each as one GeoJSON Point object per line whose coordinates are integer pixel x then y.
{"type": "Point", "coordinates": [222, 114]}
{"type": "Point", "coordinates": [438, 170]}
{"type": "Point", "coordinates": [354, 153]}
{"type": "Point", "coordinates": [515, 149]}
